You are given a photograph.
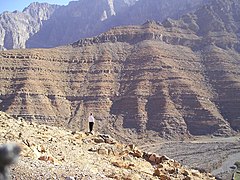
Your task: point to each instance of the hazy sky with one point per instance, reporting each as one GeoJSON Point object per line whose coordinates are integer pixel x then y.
{"type": "Point", "coordinates": [12, 5]}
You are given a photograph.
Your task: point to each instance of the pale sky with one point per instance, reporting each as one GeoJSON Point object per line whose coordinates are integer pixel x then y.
{"type": "Point", "coordinates": [12, 5]}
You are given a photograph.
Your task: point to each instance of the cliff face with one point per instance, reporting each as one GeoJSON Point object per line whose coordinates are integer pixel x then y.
{"type": "Point", "coordinates": [17, 27]}
{"type": "Point", "coordinates": [171, 79]}
{"type": "Point", "coordinates": [44, 25]}
{"type": "Point", "coordinates": [77, 20]}
{"type": "Point", "coordinates": [157, 10]}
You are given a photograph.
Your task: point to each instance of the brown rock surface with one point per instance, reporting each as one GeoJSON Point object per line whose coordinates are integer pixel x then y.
{"type": "Point", "coordinates": [51, 152]}
{"type": "Point", "coordinates": [174, 79]}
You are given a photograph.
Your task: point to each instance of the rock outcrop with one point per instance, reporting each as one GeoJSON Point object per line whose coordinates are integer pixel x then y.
{"type": "Point", "coordinates": [44, 25]}
{"type": "Point", "coordinates": [17, 27]}
{"type": "Point", "coordinates": [172, 79]}
{"type": "Point", "coordinates": [55, 153]}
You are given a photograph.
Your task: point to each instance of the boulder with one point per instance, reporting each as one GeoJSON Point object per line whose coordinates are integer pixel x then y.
{"type": "Point", "coordinates": [102, 151]}
{"type": "Point", "coordinates": [152, 158]}
{"type": "Point", "coordinates": [137, 153]}
{"type": "Point", "coordinates": [98, 140]}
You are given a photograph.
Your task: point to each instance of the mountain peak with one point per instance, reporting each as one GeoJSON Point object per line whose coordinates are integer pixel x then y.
{"type": "Point", "coordinates": [40, 11]}
{"type": "Point", "coordinates": [80, 19]}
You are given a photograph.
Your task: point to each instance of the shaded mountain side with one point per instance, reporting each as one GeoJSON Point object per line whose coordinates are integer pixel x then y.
{"type": "Point", "coordinates": [44, 25]}
{"type": "Point", "coordinates": [49, 152]}
{"type": "Point", "coordinates": [17, 27]}
{"type": "Point", "coordinates": [77, 20]}
{"type": "Point", "coordinates": [169, 80]}
{"type": "Point", "coordinates": [157, 10]}
{"type": "Point", "coordinates": [68, 25]}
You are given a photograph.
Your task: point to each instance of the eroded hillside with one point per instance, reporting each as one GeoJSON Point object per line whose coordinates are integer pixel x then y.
{"type": "Point", "coordinates": [176, 78]}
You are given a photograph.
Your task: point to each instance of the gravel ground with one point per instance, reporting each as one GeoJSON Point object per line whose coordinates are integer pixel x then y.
{"type": "Point", "coordinates": [212, 154]}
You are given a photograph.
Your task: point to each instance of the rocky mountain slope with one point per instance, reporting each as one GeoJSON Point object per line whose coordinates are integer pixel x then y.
{"type": "Point", "coordinates": [44, 25]}
{"type": "Point", "coordinates": [157, 10]}
{"type": "Point", "coordinates": [55, 153]}
{"type": "Point", "coordinates": [17, 27]}
{"type": "Point", "coordinates": [175, 79]}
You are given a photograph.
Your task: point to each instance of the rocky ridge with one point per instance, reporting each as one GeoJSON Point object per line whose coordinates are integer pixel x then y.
{"type": "Point", "coordinates": [17, 27]}
{"type": "Point", "coordinates": [51, 152]}
{"type": "Point", "coordinates": [170, 79]}
{"type": "Point", "coordinates": [44, 25]}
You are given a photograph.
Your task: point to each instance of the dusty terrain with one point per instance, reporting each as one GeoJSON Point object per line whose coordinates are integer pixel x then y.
{"type": "Point", "coordinates": [210, 154]}
{"type": "Point", "coordinates": [55, 153]}
{"type": "Point", "coordinates": [51, 152]}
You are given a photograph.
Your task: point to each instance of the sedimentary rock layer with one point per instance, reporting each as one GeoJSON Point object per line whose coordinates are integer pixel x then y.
{"type": "Point", "coordinates": [171, 78]}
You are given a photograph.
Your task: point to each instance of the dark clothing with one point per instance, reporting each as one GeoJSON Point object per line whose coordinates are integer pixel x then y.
{"type": "Point", "coordinates": [91, 126]}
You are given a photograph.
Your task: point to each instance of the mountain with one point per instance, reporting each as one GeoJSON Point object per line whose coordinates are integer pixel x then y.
{"type": "Point", "coordinates": [157, 10]}
{"type": "Point", "coordinates": [17, 27]}
{"type": "Point", "coordinates": [174, 79]}
{"type": "Point", "coordinates": [44, 25]}
{"type": "Point", "coordinates": [77, 20]}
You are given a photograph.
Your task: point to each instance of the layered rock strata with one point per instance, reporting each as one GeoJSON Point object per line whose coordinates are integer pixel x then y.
{"type": "Point", "coordinates": [170, 79]}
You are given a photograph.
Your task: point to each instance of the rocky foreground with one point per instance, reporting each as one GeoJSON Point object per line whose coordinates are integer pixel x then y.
{"type": "Point", "coordinates": [56, 153]}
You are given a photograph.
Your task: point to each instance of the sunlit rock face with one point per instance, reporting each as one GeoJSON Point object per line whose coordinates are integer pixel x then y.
{"type": "Point", "coordinates": [17, 27]}
{"type": "Point", "coordinates": [173, 78]}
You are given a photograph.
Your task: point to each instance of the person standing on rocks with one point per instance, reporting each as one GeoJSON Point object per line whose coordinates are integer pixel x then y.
{"type": "Point", "coordinates": [91, 121]}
